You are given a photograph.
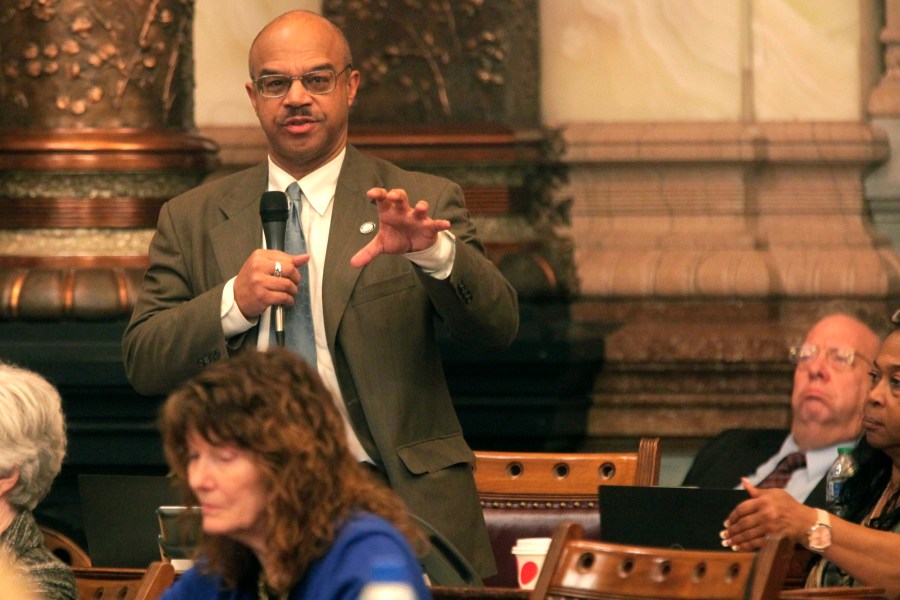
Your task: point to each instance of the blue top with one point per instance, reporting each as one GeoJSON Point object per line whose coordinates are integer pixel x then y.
{"type": "Point", "coordinates": [340, 574]}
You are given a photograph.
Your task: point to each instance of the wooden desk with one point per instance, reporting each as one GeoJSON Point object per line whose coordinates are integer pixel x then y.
{"type": "Point", "coordinates": [446, 592]}
{"type": "Point", "coordinates": [834, 593]}
{"type": "Point", "coordinates": [443, 592]}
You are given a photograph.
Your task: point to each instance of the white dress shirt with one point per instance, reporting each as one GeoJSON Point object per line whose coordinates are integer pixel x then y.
{"type": "Point", "coordinates": [318, 190]}
{"type": "Point", "coordinates": [804, 480]}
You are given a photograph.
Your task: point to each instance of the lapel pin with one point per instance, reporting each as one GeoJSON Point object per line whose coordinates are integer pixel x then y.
{"type": "Point", "coordinates": [367, 227]}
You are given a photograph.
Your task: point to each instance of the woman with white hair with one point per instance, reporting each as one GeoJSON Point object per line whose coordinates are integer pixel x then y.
{"type": "Point", "coordinates": [32, 446]}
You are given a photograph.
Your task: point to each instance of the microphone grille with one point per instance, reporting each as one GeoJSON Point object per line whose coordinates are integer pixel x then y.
{"type": "Point", "coordinates": [273, 206]}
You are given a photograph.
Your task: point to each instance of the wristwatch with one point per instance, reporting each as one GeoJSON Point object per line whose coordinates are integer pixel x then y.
{"type": "Point", "coordinates": [818, 538]}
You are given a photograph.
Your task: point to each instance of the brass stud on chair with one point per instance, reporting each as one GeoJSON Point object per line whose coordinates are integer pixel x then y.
{"type": "Point", "coordinates": [585, 562]}
{"type": "Point", "coordinates": [607, 470]}
{"type": "Point", "coordinates": [699, 572]}
{"type": "Point", "coordinates": [561, 470]}
{"type": "Point", "coordinates": [662, 570]}
{"type": "Point", "coordinates": [626, 568]}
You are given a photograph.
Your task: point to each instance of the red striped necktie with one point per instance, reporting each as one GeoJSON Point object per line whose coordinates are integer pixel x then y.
{"type": "Point", "coordinates": [783, 471]}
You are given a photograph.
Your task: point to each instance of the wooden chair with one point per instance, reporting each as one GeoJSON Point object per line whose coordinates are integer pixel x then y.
{"type": "Point", "coordinates": [65, 548]}
{"type": "Point", "coordinates": [124, 584]}
{"type": "Point", "coordinates": [577, 568]}
{"type": "Point", "coordinates": [527, 494]}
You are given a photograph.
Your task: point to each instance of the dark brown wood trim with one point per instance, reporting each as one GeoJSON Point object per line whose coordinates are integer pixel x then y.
{"type": "Point", "coordinates": [106, 149]}
{"type": "Point", "coordinates": [407, 145]}
{"type": "Point", "coordinates": [108, 161]}
{"type": "Point", "coordinates": [74, 262]}
{"type": "Point", "coordinates": [126, 213]}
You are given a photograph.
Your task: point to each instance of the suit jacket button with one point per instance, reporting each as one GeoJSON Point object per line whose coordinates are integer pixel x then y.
{"type": "Point", "coordinates": [464, 293]}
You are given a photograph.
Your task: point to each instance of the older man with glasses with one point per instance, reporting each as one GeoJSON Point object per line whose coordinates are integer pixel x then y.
{"type": "Point", "coordinates": [831, 380]}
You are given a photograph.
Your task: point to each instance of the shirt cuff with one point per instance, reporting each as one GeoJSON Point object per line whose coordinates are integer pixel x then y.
{"type": "Point", "coordinates": [233, 320]}
{"type": "Point", "coordinates": [436, 261]}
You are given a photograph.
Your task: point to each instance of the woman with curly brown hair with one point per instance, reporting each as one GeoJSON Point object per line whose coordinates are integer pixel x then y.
{"type": "Point", "coordinates": [287, 512]}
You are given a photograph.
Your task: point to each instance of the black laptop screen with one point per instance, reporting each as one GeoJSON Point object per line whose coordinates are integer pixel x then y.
{"type": "Point", "coordinates": [665, 517]}
{"type": "Point", "coordinates": [120, 520]}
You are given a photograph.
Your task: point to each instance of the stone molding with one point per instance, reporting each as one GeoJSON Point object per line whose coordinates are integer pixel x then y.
{"type": "Point", "coordinates": [689, 368]}
{"type": "Point", "coordinates": [725, 210]}
{"type": "Point", "coordinates": [718, 142]}
{"type": "Point", "coordinates": [884, 101]}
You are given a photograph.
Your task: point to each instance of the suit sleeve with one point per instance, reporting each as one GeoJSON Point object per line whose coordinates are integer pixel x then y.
{"type": "Point", "coordinates": [707, 468]}
{"type": "Point", "coordinates": [173, 334]}
{"type": "Point", "coordinates": [731, 455]}
{"type": "Point", "coordinates": [476, 302]}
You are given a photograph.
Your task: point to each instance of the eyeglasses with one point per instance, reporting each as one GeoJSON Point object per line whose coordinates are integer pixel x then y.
{"type": "Point", "coordinates": [315, 82]}
{"type": "Point", "coordinates": [841, 359]}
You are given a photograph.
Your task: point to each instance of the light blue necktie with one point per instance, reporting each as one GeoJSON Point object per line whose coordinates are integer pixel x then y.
{"type": "Point", "coordinates": [298, 324]}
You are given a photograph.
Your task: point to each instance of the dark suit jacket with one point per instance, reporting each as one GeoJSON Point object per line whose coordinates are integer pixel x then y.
{"type": "Point", "coordinates": [379, 322]}
{"type": "Point", "coordinates": [738, 452]}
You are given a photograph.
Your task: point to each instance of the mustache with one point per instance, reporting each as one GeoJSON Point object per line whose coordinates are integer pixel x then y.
{"type": "Point", "coordinates": [298, 111]}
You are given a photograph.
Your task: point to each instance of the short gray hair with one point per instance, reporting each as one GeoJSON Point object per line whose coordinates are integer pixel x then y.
{"type": "Point", "coordinates": [33, 434]}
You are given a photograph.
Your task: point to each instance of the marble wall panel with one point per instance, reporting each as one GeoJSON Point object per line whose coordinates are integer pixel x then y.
{"type": "Point", "coordinates": [804, 54]}
{"type": "Point", "coordinates": [621, 60]}
{"type": "Point", "coordinates": [627, 60]}
{"type": "Point", "coordinates": [223, 32]}
{"type": "Point", "coordinates": [639, 60]}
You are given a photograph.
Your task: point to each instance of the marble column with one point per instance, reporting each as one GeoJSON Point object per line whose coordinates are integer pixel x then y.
{"type": "Point", "coordinates": [96, 132]}
{"type": "Point", "coordinates": [882, 185]}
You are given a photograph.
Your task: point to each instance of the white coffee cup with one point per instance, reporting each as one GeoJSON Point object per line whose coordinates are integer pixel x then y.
{"type": "Point", "coordinates": [530, 554]}
{"type": "Point", "coordinates": [181, 564]}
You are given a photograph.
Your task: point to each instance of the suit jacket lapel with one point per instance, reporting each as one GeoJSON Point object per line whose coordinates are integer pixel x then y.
{"type": "Point", "coordinates": [240, 233]}
{"type": "Point", "coordinates": [351, 210]}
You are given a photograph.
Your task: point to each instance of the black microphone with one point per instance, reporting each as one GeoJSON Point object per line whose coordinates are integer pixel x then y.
{"type": "Point", "coordinates": [274, 214]}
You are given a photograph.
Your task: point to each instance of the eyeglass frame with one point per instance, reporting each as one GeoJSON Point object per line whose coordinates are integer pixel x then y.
{"type": "Point", "coordinates": [302, 79]}
{"type": "Point", "coordinates": [831, 354]}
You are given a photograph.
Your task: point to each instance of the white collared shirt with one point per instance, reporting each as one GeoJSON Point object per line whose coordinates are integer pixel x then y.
{"type": "Point", "coordinates": [803, 481]}
{"type": "Point", "coordinates": [318, 190]}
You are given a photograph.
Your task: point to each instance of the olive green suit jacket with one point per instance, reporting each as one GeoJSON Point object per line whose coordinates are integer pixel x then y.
{"type": "Point", "coordinates": [379, 321]}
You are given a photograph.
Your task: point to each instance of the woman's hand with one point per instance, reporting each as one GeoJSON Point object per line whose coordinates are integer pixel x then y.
{"type": "Point", "coordinates": [767, 511]}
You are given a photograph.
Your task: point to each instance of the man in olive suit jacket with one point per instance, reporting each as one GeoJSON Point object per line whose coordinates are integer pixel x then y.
{"type": "Point", "coordinates": [383, 269]}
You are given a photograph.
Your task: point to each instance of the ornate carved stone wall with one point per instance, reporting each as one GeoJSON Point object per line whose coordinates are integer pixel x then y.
{"type": "Point", "coordinates": [883, 184]}
{"type": "Point", "coordinates": [713, 247]}
{"type": "Point", "coordinates": [71, 64]}
{"type": "Point", "coordinates": [428, 63]}
{"type": "Point", "coordinates": [726, 210]}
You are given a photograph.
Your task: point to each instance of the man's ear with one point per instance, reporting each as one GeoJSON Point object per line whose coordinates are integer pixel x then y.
{"type": "Point", "coordinates": [352, 87]}
{"type": "Point", "coordinates": [251, 93]}
{"type": "Point", "coordinates": [8, 482]}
